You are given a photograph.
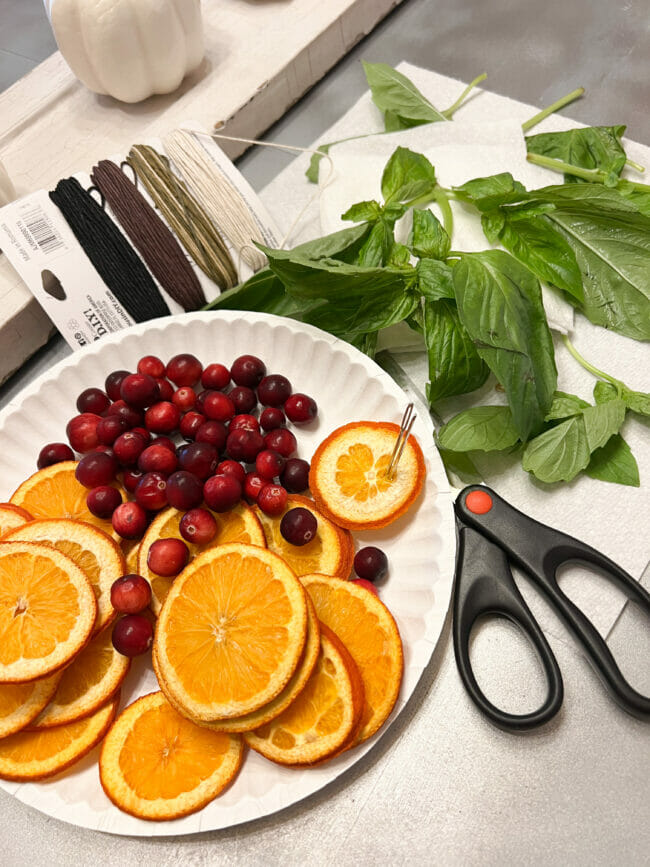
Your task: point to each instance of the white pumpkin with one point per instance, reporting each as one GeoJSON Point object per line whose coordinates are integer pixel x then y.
{"type": "Point", "coordinates": [129, 49]}
{"type": "Point", "coordinates": [7, 192]}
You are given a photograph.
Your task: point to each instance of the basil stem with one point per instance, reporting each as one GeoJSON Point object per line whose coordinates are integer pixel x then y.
{"type": "Point", "coordinates": [441, 199]}
{"type": "Point", "coordinates": [551, 109]}
{"type": "Point", "coordinates": [590, 367]}
{"type": "Point", "coordinates": [449, 112]}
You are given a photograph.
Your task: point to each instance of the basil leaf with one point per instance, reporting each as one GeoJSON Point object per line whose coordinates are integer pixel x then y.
{"type": "Point", "coordinates": [614, 462]}
{"type": "Point", "coordinates": [592, 147]}
{"type": "Point", "coordinates": [500, 305]}
{"type": "Point", "coordinates": [489, 192]}
{"type": "Point", "coordinates": [371, 314]}
{"type": "Point", "coordinates": [454, 365]}
{"type": "Point", "coordinates": [263, 292]}
{"type": "Point", "coordinates": [583, 196]}
{"type": "Point", "coordinates": [558, 454]}
{"type": "Point", "coordinates": [637, 197]}
{"type": "Point", "coordinates": [428, 236]}
{"type": "Point", "coordinates": [370, 210]}
{"type": "Point", "coordinates": [366, 343]}
{"type": "Point", "coordinates": [461, 465]}
{"type": "Point", "coordinates": [400, 256]}
{"type": "Point", "coordinates": [395, 93]}
{"type": "Point", "coordinates": [408, 175]}
{"type": "Point", "coordinates": [637, 401]}
{"type": "Point", "coordinates": [483, 428]}
{"type": "Point", "coordinates": [492, 224]}
{"type": "Point", "coordinates": [604, 391]}
{"type": "Point", "coordinates": [603, 421]}
{"type": "Point", "coordinates": [435, 279]}
{"type": "Point", "coordinates": [377, 247]}
{"type": "Point", "coordinates": [345, 242]}
{"type": "Point", "coordinates": [565, 405]}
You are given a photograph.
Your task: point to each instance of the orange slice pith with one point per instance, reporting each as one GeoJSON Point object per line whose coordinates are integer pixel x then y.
{"type": "Point", "coordinates": [330, 552]}
{"type": "Point", "coordinates": [320, 722]}
{"type": "Point", "coordinates": [157, 765]}
{"type": "Point", "coordinates": [367, 629]}
{"type": "Point", "coordinates": [47, 610]}
{"type": "Point", "coordinates": [97, 555]}
{"type": "Point", "coordinates": [37, 755]}
{"type": "Point", "coordinates": [231, 632]}
{"type": "Point", "coordinates": [237, 525]}
{"type": "Point", "coordinates": [12, 516]}
{"type": "Point", "coordinates": [20, 703]}
{"type": "Point", "coordinates": [348, 475]}
{"type": "Point", "coordinates": [87, 683]}
{"type": "Point", "coordinates": [54, 492]}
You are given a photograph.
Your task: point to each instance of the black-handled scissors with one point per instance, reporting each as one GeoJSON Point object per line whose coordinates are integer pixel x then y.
{"type": "Point", "coordinates": [490, 534]}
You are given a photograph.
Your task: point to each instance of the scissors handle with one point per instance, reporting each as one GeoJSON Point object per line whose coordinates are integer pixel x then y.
{"type": "Point", "coordinates": [540, 551]}
{"type": "Point", "coordinates": [485, 586]}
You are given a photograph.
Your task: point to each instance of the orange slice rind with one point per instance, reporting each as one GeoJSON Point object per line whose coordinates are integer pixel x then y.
{"type": "Point", "coordinates": [11, 517]}
{"type": "Point", "coordinates": [349, 481]}
{"type": "Point", "coordinates": [21, 703]}
{"type": "Point", "coordinates": [157, 765]}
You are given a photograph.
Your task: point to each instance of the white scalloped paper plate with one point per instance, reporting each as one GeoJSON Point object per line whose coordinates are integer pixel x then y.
{"type": "Point", "coordinates": [347, 386]}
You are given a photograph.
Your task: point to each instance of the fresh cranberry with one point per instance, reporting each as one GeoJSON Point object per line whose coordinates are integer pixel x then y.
{"type": "Point", "coordinates": [128, 447]}
{"type": "Point", "coordinates": [299, 526]}
{"type": "Point", "coordinates": [272, 500]}
{"type": "Point", "coordinates": [113, 383]}
{"type": "Point", "coordinates": [184, 369]}
{"type": "Point", "coordinates": [300, 408]}
{"type": "Point", "coordinates": [222, 492]}
{"type": "Point", "coordinates": [151, 492]}
{"type": "Point", "coordinates": [248, 370]}
{"type": "Point", "coordinates": [133, 417]}
{"type": "Point", "coordinates": [96, 468]}
{"type": "Point", "coordinates": [190, 424]}
{"type": "Point", "coordinates": [370, 563]}
{"type": "Point", "coordinates": [139, 390]}
{"type": "Point", "coordinates": [201, 398]}
{"type": "Point", "coordinates": [218, 406]}
{"type": "Point", "coordinates": [103, 500]}
{"type": "Point", "coordinates": [367, 584]}
{"type": "Point", "coordinates": [273, 390]}
{"type": "Point", "coordinates": [132, 635]}
{"type": "Point", "coordinates": [144, 433]}
{"type": "Point", "coordinates": [130, 594]}
{"type": "Point", "coordinates": [54, 453]}
{"type": "Point", "coordinates": [129, 520]}
{"type": "Point", "coordinates": [269, 464]}
{"type": "Point", "coordinates": [162, 417]}
{"type": "Point", "coordinates": [157, 459]}
{"type": "Point", "coordinates": [168, 557]}
{"type": "Point", "coordinates": [215, 376]}
{"type": "Point", "coordinates": [131, 479]}
{"type": "Point", "coordinates": [165, 389]}
{"type": "Point", "coordinates": [105, 449]}
{"type": "Point", "coordinates": [184, 490]}
{"type": "Point", "coordinates": [82, 432]}
{"type": "Point", "coordinates": [271, 418]}
{"type": "Point", "coordinates": [213, 432]}
{"type": "Point", "coordinates": [244, 422]}
{"type": "Point", "coordinates": [281, 440]}
{"type": "Point", "coordinates": [243, 398]}
{"type": "Point", "coordinates": [244, 445]}
{"type": "Point", "coordinates": [234, 469]}
{"type": "Point", "coordinates": [295, 475]}
{"type": "Point", "coordinates": [151, 365]}
{"type": "Point", "coordinates": [198, 526]}
{"type": "Point", "coordinates": [110, 428]}
{"type": "Point", "coordinates": [167, 442]}
{"type": "Point", "coordinates": [184, 398]}
{"type": "Point", "coordinates": [93, 400]}
{"type": "Point", "coordinates": [198, 458]}
{"type": "Point", "coordinates": [253, 485]}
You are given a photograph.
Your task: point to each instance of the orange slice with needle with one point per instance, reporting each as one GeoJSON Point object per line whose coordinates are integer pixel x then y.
{"type": "Point", "coordinates": [20, 703]}
{"type": "Point", "coordinates": [231, 632]}
{"type": "Point", "coordinates": [330, 552]}
{"type": "Point", "coordinates": [237, 525]}
{"type": "Point", "coordinates": [12, 517]}
{"type": "Point", "coordinates": [349, 479]}
{"type": "Point", "coordinates": [29, 756]}
{"type": "Point", "coordinates": [369, 632]}
{"type": "Point", "coordinates": [322, 719]}
{"type": "Point", "coordinates": [47, 611]}
{"type": "Point", "coordinates": [157, 765]}
{"type": "Point", "coordinates": [97, 555]}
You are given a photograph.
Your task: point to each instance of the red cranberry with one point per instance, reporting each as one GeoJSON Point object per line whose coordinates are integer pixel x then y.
{"type": "Point", "coordinates": [370, 563]}
{"type": "Point", "coordinates": [162, 417]}
{"type": "Point", "coordinates": [295, 475]}
{"type": "Point", "coordinates": [273, 390]}
{"type": "Point", "coordinates": [184, 398]}
{"type": "Point", "coordinates": [82, 432]}
{"type": "Point", "coordinates": [201, 459]}
{"type": "Point", "coordinates": [234, 469]}
{"type": "Point", "coordinates": [144, 433]}
{"type": "Point", "coordinates": [184, 369]}
{"type": "Point", "coordinates": [247, 370]}
{"type": "Point", "coordinates": [105, 449]}
{"type": "Point", "coordinates": [198, 526]}
{"type": "Point", "coordinates": [244, 445]}
{"type": "Point", "coordinates": [128, 447]}
{"type": "Point", "coordinates": [139, 390]}
{"type": "Point", "coordinates": [132, 635]}
{"type": "Point", "coordinates": [168, 557]}
{"type": "Point", "coordinates": [109, 429]}
{"type": "Point", "coordinates": [167, 442]}
{"type": "Point", "coordinates": [184, 490]}
{"type": "Point", "coordinates": [253, 485]}
{"type": "Point", "coordinates": [133, 417]}
{"type": "Point", "coordinates": [190, 424]}
{"type": "Point", "coordinates": [93, 400]}
{"type": "Point", "coordinates": [131, 479]}
{"type": "Point", "coordinates": [367, 584]}
{"type": "Point", "coordinates": [272, 500]}
{"type": "Point", "coordinates": [271, 418]}
{"type": "Point", "coordinates": [201, 398]}
{"type": "Point", "coordinates": [130, 594]}
{"type": "Point", "coordinates": [218, 406]}
{"type": "Point", "coordinates": [157, 459]}
{"type": "Point", "coordinates": [103, 500]}
{"type": "Point", "coordinates": [215, 376]}
{"type": "Point", "coordinates": [299, 526]}
{"type": "Point", "coordinates": [300, 408]}
{"type": "Point", "coordinates": [113, 383]}
{"type": "Point", "coordinates": [243, 398]}
{"type": "Point", "coordinates": [151, 365]}
{"type": "Point", "coordinates": [129, 520]}
{"type": "Point", "coordinates": [54, 453]}
{"type": "Point", "coordinates": [269, 464]}
{"type": "Point", "coordinates": [165, 389]}
{"type": "Point", "coordinates": [282, 441]}
{"type": "Point", "coordinates": [222, 492]}
{"type": "Point", "coordinates": [151, 492]}
{"type": "Point", "coordinates": [244, 422]}
{"type": "Point", "coordinates": [96, 468]}
{"type": "Point", "coordinates": [213, 432]}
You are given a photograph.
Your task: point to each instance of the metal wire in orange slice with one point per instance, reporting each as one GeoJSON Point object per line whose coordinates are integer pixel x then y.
{"type": "Point", "coordinates": [11, 517]}
{"type": "Point", "coordinates": [349, 480]}
{"type": "Point", "coordinates": [54, 492]}
{"type": "Point", "coordinates": [368, 630]}
{"type": "Point", "coordinates": [238, 525]}
{"type": "Point", "coordinates": [330, 552]}
{"type": "Point", "coordinates": [47, 611]}
{"type": "Point", "coordinates": [157, 765]}
{"type": "Point", "coordinates": [231, 632]}
{"type": "Point", "coordinates": [87, 683]}
{"type": "Point", "coordinates": [97, 555]}
{"type": "Point", "coordinates": [320, 722]}
{"type": "Point", "coordinates": [36, 755]}
{"type": "Point", "coordinates": [20, 703]}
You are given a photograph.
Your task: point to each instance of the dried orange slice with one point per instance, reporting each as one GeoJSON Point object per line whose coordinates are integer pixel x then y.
{"type": "Point", "coordinates": [237, 525]}
{"type": "Point", "coordinates": [231, 632]}
{"type": "Point", "coordinates": [369, 632]}
{"type": "Point", "coordinates": [47, 610]}
{"type": "Point", "coordinates": [330, 552]}
{"type": "Point", "coordinates": [98, 556]}
{"type": "Point", "coordinates": [54, 492]}
{"type": "Point", "coordinates": [157, 765]}
{"type": "Point", "coordinates": [130, 551]}
{"type": "Point", "coordinates": [87, 683]}
{"type": "Point", "coordinates": [348, 477]}
{"type": "Point", "coordinates": [37, 755]}
{"type": "Point", "coordinates": [11, 517]}
{"type": "Point", "coordinates": [322, 719]}
{"type": "Point", "coordinates": [20, 703]}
